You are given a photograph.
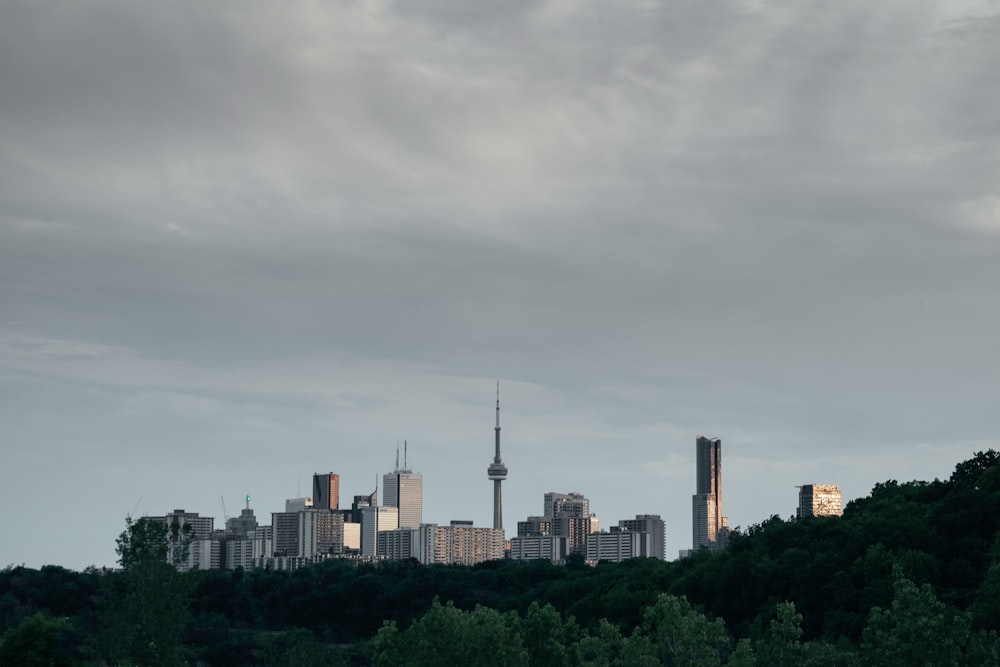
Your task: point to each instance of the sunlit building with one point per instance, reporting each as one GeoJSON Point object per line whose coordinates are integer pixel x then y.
{"type": "Point", "coordinates": [819, 500]}
{"type": "Point", "coordinates": [709, 527]}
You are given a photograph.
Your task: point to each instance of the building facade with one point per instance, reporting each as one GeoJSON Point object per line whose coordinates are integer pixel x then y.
{"type": "Point", "coordinates": [819, 500]}
{"type": "Point", "coordinates": [538, 546]}
{"type": "Point", "coordinates": [459, 543]}
{"type": "Point", "coordinates": [373, 521]}
{"type": "Point", "coordinates": [320, 533]}
{"type": "Point", "coordinates": [615, 546]}
{"type": "Point", "coordinates": [326, 491]}
{"type": "Point", "coordinates": [709, 527]}
{"type": "Point", "coordinates": [654, 545]}
{"type": "Point", "coordinates": [404, 489]}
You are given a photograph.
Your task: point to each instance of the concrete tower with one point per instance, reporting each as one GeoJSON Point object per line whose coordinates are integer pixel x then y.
{"type": "Point", "coordinates": [497, 472]}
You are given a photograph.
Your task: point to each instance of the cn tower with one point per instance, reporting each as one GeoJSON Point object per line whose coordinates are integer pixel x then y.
{"type": "Point", "coordinates": [497, 472]}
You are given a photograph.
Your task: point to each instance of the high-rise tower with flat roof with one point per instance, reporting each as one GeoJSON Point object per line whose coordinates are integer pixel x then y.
{"type": "Point", "coordinates": [326, 491]}
{"type": "Point", "coordinates": [404, 489]}
{"type": "Point", "coordinates": [819, 500]}
{"type": "Point", "coordinates": [497, 472]}
{"type": "Point", "coordinates": [709, 527]}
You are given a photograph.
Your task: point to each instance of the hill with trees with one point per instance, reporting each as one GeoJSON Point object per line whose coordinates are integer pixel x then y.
{"type": "Point", "coordinates": [909, 575]}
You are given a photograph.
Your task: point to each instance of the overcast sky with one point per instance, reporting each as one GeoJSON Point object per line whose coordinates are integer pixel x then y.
{"type": "Point", "coordinates": [243, 242]}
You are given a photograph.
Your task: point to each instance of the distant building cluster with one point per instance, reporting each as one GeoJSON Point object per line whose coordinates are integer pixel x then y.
{"type": "Point", "coordinates": [567, 526]}
{"type": "Point", "coordinates": [314, 529]}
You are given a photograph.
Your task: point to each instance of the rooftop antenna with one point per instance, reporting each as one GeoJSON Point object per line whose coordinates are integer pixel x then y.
{"type": "Point", "coordinates": [224, 513]}
{"type": "Point", "coordinates": [405, 467]}
{"type": "Point", "coordinates": [397, 457]}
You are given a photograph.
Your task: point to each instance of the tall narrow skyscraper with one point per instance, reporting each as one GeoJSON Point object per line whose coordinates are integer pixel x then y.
{"type": "Point", "coordinates": [497, 472]}
{"type": "Point", "coordinates": [404, 489]}
{"type": "Point", "coordinates": [708, 524]}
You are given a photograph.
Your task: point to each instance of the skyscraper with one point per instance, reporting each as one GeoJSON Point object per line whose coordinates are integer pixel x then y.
{"type": "Point", "coordinates": [374, 520]}
{"type": "Point", "coordinates": [404, 489]}
{"type": "Point", "coordinates": [819, 500]}
{"type": "Point", "coordinates": [497, 472]}
{"type": "Point", "coordinates": [326, 491]}
{"type": "Point", "coordinates": [708, 524]}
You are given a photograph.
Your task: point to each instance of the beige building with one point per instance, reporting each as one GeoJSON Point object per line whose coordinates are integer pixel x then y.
{"type": "Point", "coordinates": [819, 500]}
{"type": "Point", "coordinates": [460, 543]}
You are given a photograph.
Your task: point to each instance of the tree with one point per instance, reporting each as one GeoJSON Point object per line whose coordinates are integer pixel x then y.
{"type": "Point", "coordinates": [548, 640]}
{"type": "Point", "coordinates": [447, 635]}
{"type": "Point", "coordinates": [149, 613]}
{"type": "Point", "coordinates": [37, 642]}
{"type": "Point", "coordinates": [917, 629]}
{"type": "Point", "coordinates": [673, 633]}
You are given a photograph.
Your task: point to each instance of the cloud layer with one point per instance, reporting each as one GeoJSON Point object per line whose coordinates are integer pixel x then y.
{"type": "Point", "coordinates": [244, 242]}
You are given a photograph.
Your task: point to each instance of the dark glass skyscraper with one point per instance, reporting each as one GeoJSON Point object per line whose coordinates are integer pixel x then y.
{"type": "Point", "coordinates": [708, 524]}
{"type": "Point", "coordinates": [326, 491]}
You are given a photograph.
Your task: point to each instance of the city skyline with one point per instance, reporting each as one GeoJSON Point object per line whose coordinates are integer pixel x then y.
{"type": "Point", "coordinates": [239, 246]}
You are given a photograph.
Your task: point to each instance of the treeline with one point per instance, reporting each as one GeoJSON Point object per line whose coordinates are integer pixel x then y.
{"type": "Point", "coordinates": [912, 571]}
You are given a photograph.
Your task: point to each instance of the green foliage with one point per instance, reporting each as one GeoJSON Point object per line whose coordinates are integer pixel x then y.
{"type": "Point", "coordinates": [447, 635]}
{"type": "Point", "coordinates": [149, 611]}
{"type": "Point", "coordinates": [548, 640]}
{"type": "Point", "coordinates": [917, 629]}
{"type": "Point", "coordinates": [673, 633]}
{"type": "Point", "coordinates": [38, 642]}
{"type": "Point", "coordinates": [806, 591]}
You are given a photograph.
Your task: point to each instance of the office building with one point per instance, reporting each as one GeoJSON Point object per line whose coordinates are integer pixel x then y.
{"type": "Point", "coordinates": [263, 542]}
{"type": "Point", "coordinates": [373, 521]}
{"type": "Point", "coordinates": [352, 538]}
{"type": "Point", "coordinates": [538, 546]}
{"type": "Point", "coordinates": [709, 527]}
{"type": "Point", "coordinates": [404, 489]}
{"type": "Point", "coordinates": [566, 516]}
{"type": "Point", "coordinates": [497, 473]}
{"type": "Point", "coordinates": [238, 552]}
{"type": "Point", "coordinates": [535, 525]}
{"type": "Point", "coordinates": [614, 546]}
{"type": "Point", "coordinates": [189, 540]}
{"type": "Point", "coordinates": [654, 544]}
{"type": "Point", "coordinates": [326, 491]}
{"type": "Point", "coordinates": [566, 504]}
{"type": "Point", "coordinates": [819, 500]}
{"type": "Point", "coordinates": [459, 543]}
{"type": "Point", "coordinates": [320, 533]}
{"type": "Point", "coordinates": [575, 529]}
{"type": "Point", "coordinates": [285, 527]}
{"type": "Point", "coordinates": [244, 525]}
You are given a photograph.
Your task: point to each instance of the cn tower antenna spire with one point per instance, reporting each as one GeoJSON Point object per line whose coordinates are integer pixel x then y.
{"type": "Point", "coordinates": [497, 472]}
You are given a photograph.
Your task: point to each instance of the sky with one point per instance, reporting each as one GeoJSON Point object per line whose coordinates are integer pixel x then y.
{"type": "Point", "coordinates": [245, 242]}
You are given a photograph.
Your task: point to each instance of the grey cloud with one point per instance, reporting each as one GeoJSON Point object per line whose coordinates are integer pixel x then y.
{"type": "Point", "coordinates": [290, 234]}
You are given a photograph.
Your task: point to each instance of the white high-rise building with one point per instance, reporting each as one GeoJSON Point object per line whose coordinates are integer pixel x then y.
{"type": "Point", "coordinates": [460, 543]}
{"type": "Point", "coordinates": [374, 520]}
{"type": "Point", "coordinates": [654, 545]}
{"type": "Point", "coordinates": [404, 489]}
